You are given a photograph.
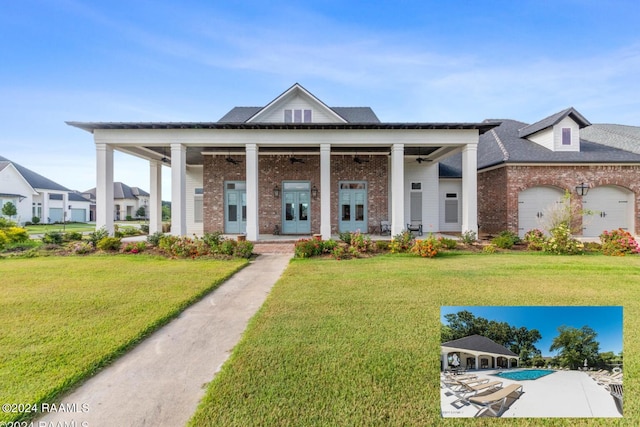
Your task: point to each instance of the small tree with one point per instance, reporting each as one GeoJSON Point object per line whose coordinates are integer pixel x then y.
{"type": "Point", "coordinates": [141, 212]}
{"type": "Point", "coordinates": [9, 209]}
{"type": "Point", "coordinates": [575, 346]}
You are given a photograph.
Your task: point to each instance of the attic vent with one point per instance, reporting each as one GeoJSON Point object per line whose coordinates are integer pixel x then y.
{"type": "Point", "coordinates": [297, 116]}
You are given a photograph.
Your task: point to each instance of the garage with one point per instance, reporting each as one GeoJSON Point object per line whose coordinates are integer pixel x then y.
{"type": "Point", "coordinates": [535, 205]}
{"type": "Point", "coordinates": [608, 207]}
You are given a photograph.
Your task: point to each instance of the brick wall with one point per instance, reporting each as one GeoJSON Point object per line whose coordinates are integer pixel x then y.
{"type": "Point", "coordinates": [276, 169]}
{"type": "Point", "coordinates": [498, 189]}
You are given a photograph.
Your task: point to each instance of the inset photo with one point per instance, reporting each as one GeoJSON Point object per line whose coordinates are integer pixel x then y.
{"type": "Point", "coordinates": [531, 361]}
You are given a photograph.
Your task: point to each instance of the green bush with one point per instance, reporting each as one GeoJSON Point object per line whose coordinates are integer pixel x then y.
{"type": "Point", "coordinates": [307, 248]}
{"type": "Point", "coordinates": [469, 237]}
{"type": "Point", "coordinates": [619, 243]}
{"type": "Point", "coordinates": [227, 247]}
{"type": "Point", "coordinates": [6, 223]}
{"type": "Point", "coordinates": [3, 239]}
{"type": "Point", "coordinates": [17, 234]}
{"type": "Point", "coordinates": [213, 239]}
{"type": "Point", "coordinates": [53, 238]}
{"type": "Point", "coordinates": [134, 247]}
{"type": "Point", "coordinates": [328, 246]}
{"type": "Point", "coordinates": [339, 252]}
{"type": "Point", "coordinates": [561, 242]}
{"type": "Point", "coordinates": [382, 245]}
{"type": "Point", "coordinates": [126, 230]}
{"type": "Point", "coordinates": [345, 236]}
{"type": "Point", "coordinates": [109, 244]}
{"type": "Point", "coordinates": [506, 239]}
{"type": "Point", "coordinates": [402, 242]}
{"type": "Point", "coordinates": [534, 239]}
{"type": "Point", "coordinates": [154, 239]}
{"type": "Point", "coordinates": [243, 249]}
{"type": "Point", "coordinates": [360, 242]}
{"type": "Point", "coordinates": [98, 235]}
{"type": "Point", "coordinates": [72, 236]}
{"type": "Point", "coordinates": [447, 243]}
{"type": "Point", "coordinates": [81, 248]}
{"type": "Point", "coordinates": [35, 220]}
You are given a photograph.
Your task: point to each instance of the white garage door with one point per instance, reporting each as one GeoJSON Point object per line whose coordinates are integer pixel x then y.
{"type": "Point", "coordinates": [78, 215]}
{"type": "Point", "coordinates": [609, 208]}
{"type": "Point", "coordinates": [534, 206]}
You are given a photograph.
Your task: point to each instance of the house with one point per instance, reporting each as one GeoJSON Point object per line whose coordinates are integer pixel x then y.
{"type": "Point", "coordinates": [127, 201]}
{"type": "Point", "coordinates": [525, 169]}
{"type": "Point", "coordinates": [296, 166]}
{"type": "Point", "coordinates": [476, 352]}
{"type": "Point", "coordinates": [37, 196]}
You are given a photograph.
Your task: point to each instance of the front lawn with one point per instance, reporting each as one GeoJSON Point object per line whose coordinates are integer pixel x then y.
{"type": "Point", "coordinates": [63, 318]}
{"type": "Point", "coordinates": [357, 342]}
{"type": "Point", "coordinates": [73, 226]}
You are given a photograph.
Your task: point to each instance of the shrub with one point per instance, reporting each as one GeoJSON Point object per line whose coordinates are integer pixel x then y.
{"type": "Point", "coordinates": [427, 248]}
{"type": "Point", "coordinates": [228, 247]}
{"type": "Point", "coordinates": [98, 235]}
{"type": "Point", "coordinates": [129, 218]}
{"type": "Point", "coordinates": [489, 249]}
{"type": "Point", "coordinates": [382, 245]}
{"type": "Point", "coordinates": [213, 239]}
{"type": "Point", "coordinates": [360, 242]}
{"type": "Point", "coordinates": [81, 248]}
{"type": "Point", "coordinates": [243, 249]}
{"type": "Point", "coordinates": [402, 242]}
{"type": "Point", "coordinates": [35, 220]}
{"type": "Point", "coordinates": [339, 252]}
{"type": "Point", "coordinates": [52, 237]}
{"type": "Point", "coordinates": [134, 247]}
{"type": "Point", "coordinates": [72, 236]}
{"type": "Point", "coordinates": [561, 242]}
{"type": "Point", "coordinates": [329, 245]}
{"type": "Point", "coordinates": [618, 243]}
{"type": "Point", "coordinates": [448, 243]}
{"type": "Point", "coordinates": [505, 240]}
{"type": "Point", "coordinates": [144, 228]}
{"type": "Point", "coordinates": [154, 239]}
{"type": "Point", "coordinates": [307, 248]}
{"type": "Point", "coordinates": [6, 223]}
{"type": "Point", "coordinates": [109, 244]}
{"type": "Point", "coordinates": [345, 237]}
{"type": "Point", "coordinates": [126, 230]}
{"type": "Point", "coordinates": [534, 239]}
{"type": "Point", "coordinates": [3, 239]}
{"type": "Point", "coordinates": [469, 237]}
{"type": "Point", "coordinates": [17, 234]}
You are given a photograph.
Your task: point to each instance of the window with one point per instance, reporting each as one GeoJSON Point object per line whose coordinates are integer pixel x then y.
{"type": "Point", "coordinates": [297, 116]}
{"type": "Point", "coordinates": [416, 186]}
{"type": "Point", "coordinates": [451, 208]}
{"type": "Point", "coordinates": [198, 205]}
{"type": "Point", "coordinates": [566, 136]}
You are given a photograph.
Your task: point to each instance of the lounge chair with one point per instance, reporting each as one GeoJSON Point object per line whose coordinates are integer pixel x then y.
{"type": "Point", "coordinates": [463, 390]}
{"type": "Point", "coordinates": [608, 379]}
{"type": "Point", "coordinates": [488, 401]}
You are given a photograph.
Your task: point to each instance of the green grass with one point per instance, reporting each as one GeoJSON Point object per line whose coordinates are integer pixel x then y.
{"type": "Point", "coordinates": [357, 342]}
{"type": "Point", "coordinates": [63, 318]}
{"type": "Point", "coordinates": [43, 228]}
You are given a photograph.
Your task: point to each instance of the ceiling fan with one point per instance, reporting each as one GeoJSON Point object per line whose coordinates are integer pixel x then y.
{"type": "Point", "coordinates": [423, 159]}
{"type": "Point", "coordinates": [293, 160]}
{"type": "Point", "coordinates": [360, 160]}
{"type": "Point", "coordinates": [232, 160]}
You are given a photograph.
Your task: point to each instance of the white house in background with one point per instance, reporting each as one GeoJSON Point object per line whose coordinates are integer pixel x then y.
{"type": "Point", "coordinates": [126, 201]}
{"type": "Point", "coordinates": [476, 352]}
{"type": "Point", "coordinates": [37, 196]}
{"type": "Point", "coordinates": [295, 166]}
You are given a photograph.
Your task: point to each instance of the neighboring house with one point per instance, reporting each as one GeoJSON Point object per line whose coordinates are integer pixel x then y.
{"type": "Point", "coordinates": [476, 352]}
{"type": "Point", "coordinates": [296, 166]}
{"type": "Point", "coordinates": [127, 201]}
{"type": "Point", "coordinates": [37, 196]}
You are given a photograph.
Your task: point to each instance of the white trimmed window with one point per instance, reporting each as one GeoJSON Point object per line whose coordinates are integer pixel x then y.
{"type": "Point", "coordinates": [297, 116]}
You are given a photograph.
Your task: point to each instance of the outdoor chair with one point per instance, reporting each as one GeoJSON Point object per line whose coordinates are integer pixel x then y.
{"type": "Point", "coordinates": [464, 391]}
{"type": "Point", "coordinates": [385, 228]}
{"type": "Point", "coordinates": [616, 391]}
{"type": "Point", "coordinates": [488, 401]}
{"type": "Point", "coordinates": [608, 379]}
{"type": "Point", "coordinates": [415, 227]}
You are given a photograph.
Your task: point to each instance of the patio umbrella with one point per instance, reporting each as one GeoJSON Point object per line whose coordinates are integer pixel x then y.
{"type": "Point", "coordinates": [455, 360]}
{"type": "Point", "coordinates": [585, 363]}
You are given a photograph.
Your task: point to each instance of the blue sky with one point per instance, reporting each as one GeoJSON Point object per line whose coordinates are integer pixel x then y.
{"type": "Point", "coordinates": [412, 61]}
{"type": "Point", "coordinates": [605, 320]}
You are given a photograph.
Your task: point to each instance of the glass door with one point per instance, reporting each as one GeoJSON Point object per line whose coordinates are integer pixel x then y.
{"type": "Point", "coordinates": [353, 206]}
{"type": "Point", "coordinates": [235, 207]}
{"type": "Point", "coordinates": [296, 208]}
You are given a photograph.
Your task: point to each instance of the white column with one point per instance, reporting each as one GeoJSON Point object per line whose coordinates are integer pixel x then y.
{"type": "Point", "coordinates": [155, 197]}
{"type": "Point", "coordinates": [477, 362]}
{"type": "Point", "coordinates": [104, 187]}
{"type": "Point", "coordinates": [252, 192]}
{"type": "Point", "coordinates": [397, 189]}
{"type": "Point", "coordinates": [470, 188]}
{"type": "Point", "coordinates": [44, 216]}
{"type": "Point", "coordinates": [178, 190]}
{"type": "Point", "coordinates": [325, 191]}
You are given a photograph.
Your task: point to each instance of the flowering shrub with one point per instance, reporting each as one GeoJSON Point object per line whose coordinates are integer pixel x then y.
{"type": "Point", "coordinates": [561, 242]}
{"type": "Point", "coordinates": [427, 248]}
{"type": "Point", "coordinates": [243, 249]}
{"type": "Point", "coordinates": [134, 248]}
{"type": "Point", "coordinates": [81, 248]}
{"type": "Point", "coordinates": [469, 237]}
{"type": "Point", "coordinates": [402, 242]}
{"type": "Point", "coordinates": [109, 244]}
{"type": "Point", "coordinates": [361, 243]}
{"type": "Point", "coordinates": [534, 239]}
{"type": "Point", "coordinates": [307, 248]}
{"type": "Point", "coordinates": [17, 234]}
{"type": "Point", "coordinates": [3, 239]}
{"type": "Point", "coordinates": [618, 243]}
{"type": "Point", "coordinates": [447, 243]}
{"type": "Point", "coordinates": [506, 239]}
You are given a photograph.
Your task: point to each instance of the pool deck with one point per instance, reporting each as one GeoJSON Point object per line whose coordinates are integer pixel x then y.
{"type": "Point", "coordinates": [563, 394]}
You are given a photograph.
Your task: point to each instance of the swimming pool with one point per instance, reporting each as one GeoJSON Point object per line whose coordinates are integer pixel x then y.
{"type": "Point", "coordinates": [529, 374]}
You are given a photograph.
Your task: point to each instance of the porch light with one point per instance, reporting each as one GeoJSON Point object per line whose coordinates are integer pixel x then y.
{"type": "Point", "coordinates": [314, 192]}
{"type": "Point", "coordinates": [276, 191]}
{"type": "Point", "coordinates": [582, 189]}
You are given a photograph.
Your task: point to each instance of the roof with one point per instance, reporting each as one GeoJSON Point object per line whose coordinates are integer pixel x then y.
{"type": "Point", "coordinates": [350, 114]}
{"type": "Point", "coordinates": [553, 120]}
{"type": "Point", "coordinates": [35, 180]}
{"type": "Point", "coordinates": [479, 343]}
{"type": "Point", "coordinates": [618, 136]}
{"type": "Point", "coordinates": [122, 191]}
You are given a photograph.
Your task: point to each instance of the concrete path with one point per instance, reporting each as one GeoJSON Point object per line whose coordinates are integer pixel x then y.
{"type": "Point", "coordinates": [161, 381]}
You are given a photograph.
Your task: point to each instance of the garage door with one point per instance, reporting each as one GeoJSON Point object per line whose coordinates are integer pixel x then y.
{"type": "Point", "coordinates": [534, 206]}
{"type": "Point", "coordinates": [609, 208]}
{"type": "Point", "coordinates": [78, 215]}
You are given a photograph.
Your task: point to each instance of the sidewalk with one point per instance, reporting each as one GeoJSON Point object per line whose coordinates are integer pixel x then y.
{"type": "Point", "coordinates": [161, 381]}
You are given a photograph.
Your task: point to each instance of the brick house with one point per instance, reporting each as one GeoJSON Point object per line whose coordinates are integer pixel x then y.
{"type": "Point", "coordinates": [524, 170]}
{"type": "Point", "coordinates": [298, 167]}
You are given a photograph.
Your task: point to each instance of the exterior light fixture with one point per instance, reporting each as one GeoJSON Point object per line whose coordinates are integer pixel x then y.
{"type": "Point", "coordinates": [582, 189]}
{"type": "Point", "coordinates": [276, 191]}
{"type": "Point", "coordinates": [314, 192]}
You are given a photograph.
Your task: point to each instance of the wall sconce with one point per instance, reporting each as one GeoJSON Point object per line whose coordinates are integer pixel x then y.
{"type": "Point", "coordinates": [582, 189]}
{"type": "Point", "coordinates": [276, 191]}
{"type": "Point", "coordinates": [314, 192]}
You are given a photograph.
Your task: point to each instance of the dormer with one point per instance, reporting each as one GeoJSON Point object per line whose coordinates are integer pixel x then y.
{"type": "Point", "coordinates": [559, 132]}
{"type": "Point", "coordinates": [296, 105]}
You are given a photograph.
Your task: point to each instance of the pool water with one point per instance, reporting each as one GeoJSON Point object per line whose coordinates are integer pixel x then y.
{"type": "Point", "coordinates": [529, 374]}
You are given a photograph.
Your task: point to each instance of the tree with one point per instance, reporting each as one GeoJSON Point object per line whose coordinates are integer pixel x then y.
{"type": "Point", "coordinates": [9, 209]}
{"type": "Point", "coordinates": [576, 345]}
{"type": "Point", "coordinates": [523, 344]}
{"type": "Point", "coordinates": [141, 212]}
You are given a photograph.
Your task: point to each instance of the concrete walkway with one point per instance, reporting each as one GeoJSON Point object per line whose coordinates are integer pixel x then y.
{"type": "Point", "coordinates": [161, 381]}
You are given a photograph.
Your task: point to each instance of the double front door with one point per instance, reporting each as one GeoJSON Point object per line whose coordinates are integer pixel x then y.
{"type": "Point", "coordinates": [353, 206]}
{"type": "Point", "coordinates": [296, 208]}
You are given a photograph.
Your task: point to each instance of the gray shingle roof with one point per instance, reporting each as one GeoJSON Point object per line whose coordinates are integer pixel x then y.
{"type": "Point", "coordinates": [618, 136]}
{"type": "Point", "coordinates": [350, 114]}
{"type": "Point", "coordinates": [552, 120]}
{"type": "Point", "coordinates": [121, 191]}
{"type": "Point", "coordinates": [35, 180]}
{"type": "Point", "coordinates": [479, 343]}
